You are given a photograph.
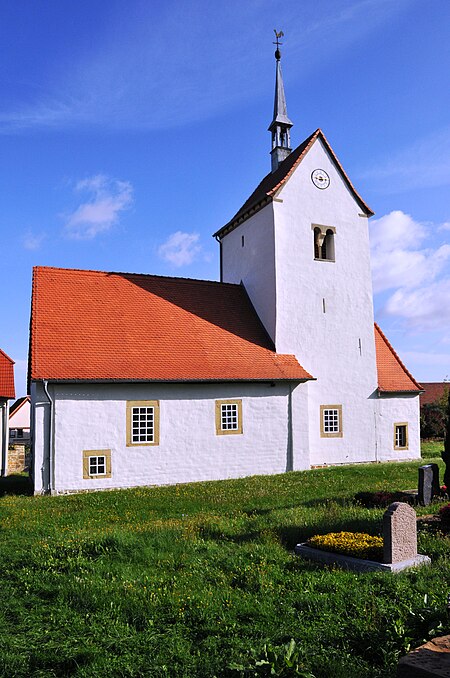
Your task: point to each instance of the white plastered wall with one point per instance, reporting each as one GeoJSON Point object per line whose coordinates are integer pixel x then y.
{"type": "Point", "coordinates": [254, 263]}
{"type": "Point", "coordinates": [391, 410]}
{"type": "Point", "coordinates": [93, 417]}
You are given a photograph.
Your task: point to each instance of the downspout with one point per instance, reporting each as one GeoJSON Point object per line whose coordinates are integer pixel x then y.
{"type": "Point", "coordinates": [376, 427]}
{"type": "Point", "coordinates": [4, 441]}
{"type": "Point", "coordinates": [290, 433]}
{"type": "Point", "coordinates": [51, 446]}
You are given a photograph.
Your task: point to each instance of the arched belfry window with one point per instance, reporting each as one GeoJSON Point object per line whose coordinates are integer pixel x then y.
{"type": "Point", "coordinates": [324, 242]}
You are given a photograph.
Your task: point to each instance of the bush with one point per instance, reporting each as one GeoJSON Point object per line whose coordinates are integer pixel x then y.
{"type": "Point", "coordinates": [444, 514]}
{"type": "Point", "coordinates": [381, 499]}
{"type": "Point", "coordinates": [355, 544]}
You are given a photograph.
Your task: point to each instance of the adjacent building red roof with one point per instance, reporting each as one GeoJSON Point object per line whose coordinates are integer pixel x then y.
{"type": "Point", "coordinates": [392, 374]}
{"type": "Point", "coordinates": [93, 325]}
{"type": "Point", "coordinates": [433, 391]}
{"type": "Point", "coordinates": [267, 189]}
{"type": "Point", "coordinates": [6, 376]}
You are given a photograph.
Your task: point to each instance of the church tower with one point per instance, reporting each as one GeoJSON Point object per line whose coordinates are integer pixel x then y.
{"type": "Point", "coordinates": [300, 246]}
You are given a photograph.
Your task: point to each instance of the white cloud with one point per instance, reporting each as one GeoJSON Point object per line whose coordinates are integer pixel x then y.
{"type": "Point", "coordinates": [180, 249]}
{"type": "Point", "coordinates": [108, 198]}
{"type": "Point", "coordinates": [426, 308]}
{"type": "Point", "coordinates": [33, 241]}
{"type": "Point", "coordinates": [416, 274]}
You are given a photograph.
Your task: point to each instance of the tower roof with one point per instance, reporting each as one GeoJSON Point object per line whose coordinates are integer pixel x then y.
{"type": "Point", "coordinates": [280, 116]}
{"type": "Point", "coordinates": [268, 188]}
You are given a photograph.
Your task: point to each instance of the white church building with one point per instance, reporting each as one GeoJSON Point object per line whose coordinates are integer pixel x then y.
{"type": "Point", "coordinates": [147, 380]}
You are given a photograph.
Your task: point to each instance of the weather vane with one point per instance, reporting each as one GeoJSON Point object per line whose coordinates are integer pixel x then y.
{"type": "Point", "coordinates": [278, 35]}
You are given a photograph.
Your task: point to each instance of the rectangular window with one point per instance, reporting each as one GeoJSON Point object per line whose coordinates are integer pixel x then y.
{"type": "Point", "coordinates": [228, 417]}
{"type": "Point", "coordinates": [331, 421]}
{"type": "Point", "coordinates": [401, 436]}
{"type": "Point", "coordinates": [96, 464]}
{"type": "Point", "coordinates": [142, 422]}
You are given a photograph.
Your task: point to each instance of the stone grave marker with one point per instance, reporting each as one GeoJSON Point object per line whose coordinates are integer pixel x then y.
{"type": "Point", "coordinates": [428, 483]}
{"type": "Point", "coordinates": [425, 491]}
{"type": "Point", "coordinates": [399, 533]}
{"type": "Point", "coordinates": [399, 545]}
{"type": "Point", "coordinates": [436, 482]}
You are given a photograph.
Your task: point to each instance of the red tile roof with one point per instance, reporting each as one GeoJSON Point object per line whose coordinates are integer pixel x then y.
{"type": "Point", "coordinates": [392, 374]}
{"type": "Point", "coordinates": [6, 376]}
{"type": "Point", "coordinates": [270, 185]}
{"type": "Point", "coordinates": [93, 325]}
{"type": "Point", "coordinates": [433, 391]}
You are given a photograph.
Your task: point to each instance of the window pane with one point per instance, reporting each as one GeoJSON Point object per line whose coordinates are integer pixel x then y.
{"type": "Point", "coordinates": [229, 417]}
{"type": "Point", "coordinates": [142, 425]}
{"type": "Point", "coordinates": [331, 421]}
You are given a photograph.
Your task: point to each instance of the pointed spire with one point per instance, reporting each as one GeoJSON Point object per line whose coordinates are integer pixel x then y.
{"type": "Point", "coordinates": [280, 125]}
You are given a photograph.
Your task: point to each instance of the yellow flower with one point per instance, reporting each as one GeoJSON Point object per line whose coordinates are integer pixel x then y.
{"type": "Point", "coordinates": [355, 544]}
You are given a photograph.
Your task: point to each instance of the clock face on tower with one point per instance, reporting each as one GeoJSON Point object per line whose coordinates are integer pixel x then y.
{"type": "Point", "coordinates": [320, 178]}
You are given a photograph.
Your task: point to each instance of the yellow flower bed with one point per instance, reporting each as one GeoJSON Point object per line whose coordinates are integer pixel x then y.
{"type": "Point", "coordinates": [355, 544]}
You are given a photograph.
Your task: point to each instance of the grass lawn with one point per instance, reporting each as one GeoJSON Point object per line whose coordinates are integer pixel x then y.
{"type": "Point", "coordinates": [432, 448]}
{"type": "Point", "coordinates": [200, 580]}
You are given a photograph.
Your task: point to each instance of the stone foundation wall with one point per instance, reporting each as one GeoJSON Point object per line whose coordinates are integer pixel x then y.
{"type": "Point", "coordinates": [18, 459]}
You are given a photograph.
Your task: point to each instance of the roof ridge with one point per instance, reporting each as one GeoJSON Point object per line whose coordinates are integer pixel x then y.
{"type": "Point", "coordinates": [137, 275]}
{"type": "Point", "coordinates": [309, 142]}
{"type": "Point", "coordinates": [7, 357]}
{"type": "Point", "coordinates": [396, 356]}
{"type": "Point", "coordinates": [264, 193]}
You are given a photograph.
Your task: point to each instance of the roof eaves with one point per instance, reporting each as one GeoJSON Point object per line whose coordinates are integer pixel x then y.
{"type": "Point", "coordinates": [231, 225]}
{"type": "Point", "coordinates": [220, 380]}
{"type": "Point", "coordinates": [387, 391]}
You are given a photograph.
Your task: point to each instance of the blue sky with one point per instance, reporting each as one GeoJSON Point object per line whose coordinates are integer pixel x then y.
{"type": "Point", "coordinates": [130, 132]}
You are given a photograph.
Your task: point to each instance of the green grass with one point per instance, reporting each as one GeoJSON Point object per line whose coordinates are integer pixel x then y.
{"type": "Point", "coordinates": [200, 580]}
{"type": "Point", "coordinates": [432, 449]}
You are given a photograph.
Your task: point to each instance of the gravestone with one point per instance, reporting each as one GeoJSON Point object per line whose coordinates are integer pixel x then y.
{"type": "Point", "coordinates": [399, 533]}
{"type": "Point", "coordinates": [436, 482]}
{"type": "Point", "coordinates": [428, 483]}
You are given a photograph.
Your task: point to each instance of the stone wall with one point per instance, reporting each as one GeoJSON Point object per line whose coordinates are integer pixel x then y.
{"type": "Point", "coordinates": [18, 459]}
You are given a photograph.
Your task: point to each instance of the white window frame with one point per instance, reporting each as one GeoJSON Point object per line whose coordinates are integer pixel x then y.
{"type": "Point", "coordinates": [92, 457]}
{"type": "Point", "coordinates": [226, 412]}
{"type": "Point", "coordinates": [397, 427]}
{"type": "Point", "coordinates": [141, 408]}
{"type": "Point", "coordinates": [335, 432]}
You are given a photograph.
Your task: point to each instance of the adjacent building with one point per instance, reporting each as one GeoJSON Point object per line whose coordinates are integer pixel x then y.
{"type": "Point", "coordinates": [7, 393]}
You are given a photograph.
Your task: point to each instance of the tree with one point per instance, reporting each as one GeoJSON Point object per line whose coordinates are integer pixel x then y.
{"type": "Point", "coordinates": [446, 452]}
{"type": "Point", "coordinates": [432, 420]}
